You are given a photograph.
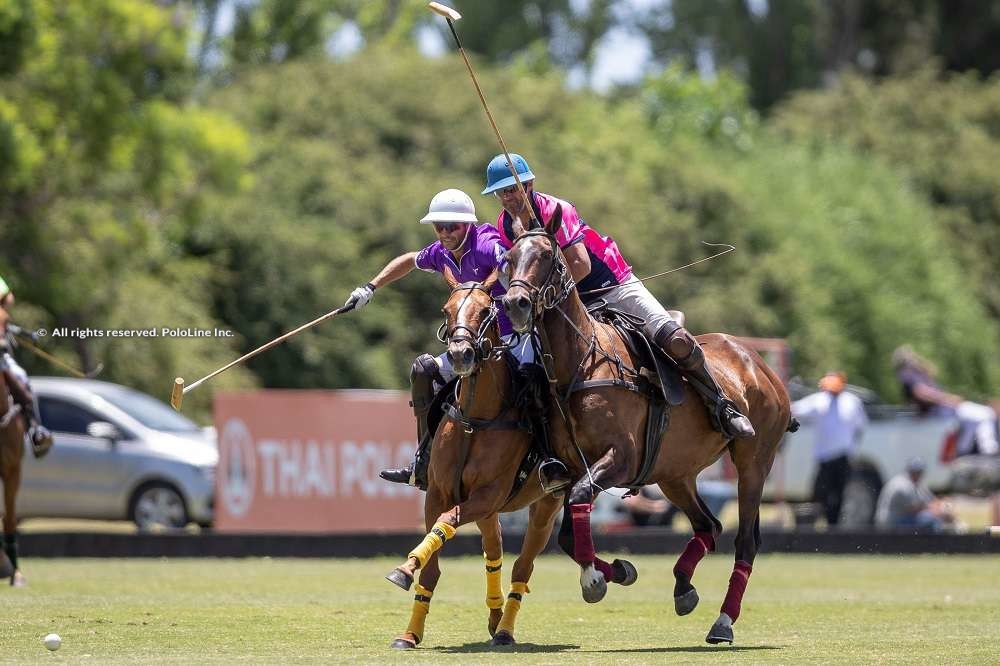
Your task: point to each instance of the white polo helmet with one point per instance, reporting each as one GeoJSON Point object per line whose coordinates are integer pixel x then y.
{"type": "Point", "coordinates": [451, 206]}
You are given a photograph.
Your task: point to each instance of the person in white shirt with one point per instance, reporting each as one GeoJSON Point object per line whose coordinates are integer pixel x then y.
{"type": "Point", "coordinates": [840, 422]}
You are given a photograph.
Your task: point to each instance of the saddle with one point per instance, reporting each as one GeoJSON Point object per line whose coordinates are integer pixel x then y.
{"type": "Point", "coordinates": [661, 378]}
{"type": "Point", "coordinates": [651, 361]}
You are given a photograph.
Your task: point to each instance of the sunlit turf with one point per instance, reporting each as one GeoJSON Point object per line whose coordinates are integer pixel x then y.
{"type": "Point", "coordinates": [798, 609]}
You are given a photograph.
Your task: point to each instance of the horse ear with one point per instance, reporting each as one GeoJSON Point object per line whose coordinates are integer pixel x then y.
{"type": "Point", "coordinates": [517, 226]}
{"type": "Point", "coordinates": [491, 280]}
{"type": "Point", "coordinates": [449, 277]}
{"type": "Point", "coordinates": [556, 221]}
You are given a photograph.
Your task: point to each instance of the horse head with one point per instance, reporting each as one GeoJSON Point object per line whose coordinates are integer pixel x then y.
{"type": "Point", "coordinates": [470, 329]}
{"type": "Point", "coordinates": [539, 275]}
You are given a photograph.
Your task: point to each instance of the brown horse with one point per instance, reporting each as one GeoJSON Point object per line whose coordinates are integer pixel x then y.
{"type": "Point", "coordinates": [602, 438]}
{"type": "Point", "coordinates": [477, 453]}
{"type": "Point", "coordinates": [11, 455]}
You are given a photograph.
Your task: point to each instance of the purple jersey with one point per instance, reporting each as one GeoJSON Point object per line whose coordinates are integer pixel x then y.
{"type": "Point", "coordinates": [483, 254]}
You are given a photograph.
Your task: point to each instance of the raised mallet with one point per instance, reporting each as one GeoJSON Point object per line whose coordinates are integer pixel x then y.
{"type": "Point", "coordinates": [450, 15]}
{"type": "Point", "coordinates": [179, 390]}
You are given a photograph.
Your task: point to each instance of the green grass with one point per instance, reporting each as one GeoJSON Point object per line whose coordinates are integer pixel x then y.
{"type": "Point", "coordinates": [798, 609]}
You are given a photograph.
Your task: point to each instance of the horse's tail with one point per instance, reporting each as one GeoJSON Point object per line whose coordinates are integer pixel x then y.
{"type": "Point", "coordinates": [793, 425]}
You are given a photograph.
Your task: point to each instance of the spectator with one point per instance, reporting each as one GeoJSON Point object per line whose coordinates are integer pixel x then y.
{"type": "Point", "coordinates": [840, 422]}
{"type": "Point", "coordinates": [649, 507]}
{"type": "Point", "coordinates": [907, 502]}
{"type": "Point", "coordinates": [977, 423]}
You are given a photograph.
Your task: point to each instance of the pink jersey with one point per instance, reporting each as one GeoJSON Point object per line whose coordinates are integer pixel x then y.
{"type": "Point", "coordinates": [607, 265]}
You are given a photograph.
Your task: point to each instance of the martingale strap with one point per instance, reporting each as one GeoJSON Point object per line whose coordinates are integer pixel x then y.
{"type": "Point", "coordinates": [474, 424]}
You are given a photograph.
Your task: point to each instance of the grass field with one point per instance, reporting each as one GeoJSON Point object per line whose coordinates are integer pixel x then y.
{"type": "Point", "coordinates": [798, 609]}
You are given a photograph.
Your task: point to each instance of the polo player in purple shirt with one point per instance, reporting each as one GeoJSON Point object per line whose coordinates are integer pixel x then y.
{"type": "Point", "coordinates": [471, 251]}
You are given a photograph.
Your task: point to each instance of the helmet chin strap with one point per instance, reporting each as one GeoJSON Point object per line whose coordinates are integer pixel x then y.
{"type": "Point", "coordinates": [459, 251]}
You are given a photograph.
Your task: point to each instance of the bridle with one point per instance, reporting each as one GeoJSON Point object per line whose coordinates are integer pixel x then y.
{"type": "Point", "coordinates": [558, 283]}
{"type": "Point", "coordinates": [484, 349]}
{"type": "Point", "coordinates": [479, 340]}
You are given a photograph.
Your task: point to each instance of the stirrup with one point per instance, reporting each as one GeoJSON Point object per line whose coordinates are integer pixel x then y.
{"type": "Point", "coordinates": [553, 475]}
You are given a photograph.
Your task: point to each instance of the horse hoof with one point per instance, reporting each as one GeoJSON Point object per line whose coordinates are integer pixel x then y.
{"type": "Point", "coordinates": [400, 578]}
{"type": "Point", "coordinates": [503, 638]}
{"type": "Point", "coordinates": [18, 580]}
{"type": "Point", "coordinates": [594, 589]}
{"type": "Point", "coordinates": [686, 602]}
{"type": "Point", "coordinates": [402, 644]}
{"type": "Point", "coordinates": [623, 572]}
{"type": "Point", "coordinates": [720, 633]}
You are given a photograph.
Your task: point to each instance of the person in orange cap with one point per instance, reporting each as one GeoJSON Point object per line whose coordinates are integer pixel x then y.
{"type": "Point", "coordinates": [840, 421]}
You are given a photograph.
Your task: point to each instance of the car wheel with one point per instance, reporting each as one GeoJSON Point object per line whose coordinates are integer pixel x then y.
{"type": "Point", "coordinates": [158, 505]}
{"type": "Point", "coordinates": [860, 499]}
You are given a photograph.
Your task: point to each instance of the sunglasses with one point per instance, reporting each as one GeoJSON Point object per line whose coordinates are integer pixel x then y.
{"type": "Point", "coordinates": [447, 227]}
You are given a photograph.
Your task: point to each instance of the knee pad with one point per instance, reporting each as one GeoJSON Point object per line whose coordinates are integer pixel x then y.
{"type": "Point", "coordinates": [425, 368]}
{"type": "Point", "coordinates": [423, 374]}
{"type": "Point", "coordinates": [680, 345]}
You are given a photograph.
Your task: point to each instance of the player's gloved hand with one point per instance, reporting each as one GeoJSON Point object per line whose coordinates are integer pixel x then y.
{"type": "Point", "coordinates": [360, 297]}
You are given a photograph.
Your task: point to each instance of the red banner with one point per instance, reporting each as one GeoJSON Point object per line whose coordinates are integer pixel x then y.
{"type": "Point", "coordinates": [308, 461]}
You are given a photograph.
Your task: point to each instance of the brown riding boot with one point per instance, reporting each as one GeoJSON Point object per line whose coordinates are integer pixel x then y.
{"type": "Point", "coordinates": [41, 438]}
{"type": "Point", "coordinates": [681, 346]}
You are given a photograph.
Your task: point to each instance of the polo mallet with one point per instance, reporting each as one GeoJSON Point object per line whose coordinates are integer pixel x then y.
{"type": "Point", "coordinates": [59, 362]}
{"type": "Point", "coordinates": [178, 391]}
{"type": "Point", "coordinates": [450, 15]}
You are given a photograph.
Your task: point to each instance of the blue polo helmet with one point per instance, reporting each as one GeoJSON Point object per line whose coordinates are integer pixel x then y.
{"type": "Point", "coordinates": [498, 174]}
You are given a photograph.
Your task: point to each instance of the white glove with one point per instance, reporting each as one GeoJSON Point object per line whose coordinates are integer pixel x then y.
{"type": "Point", "coordinates": [361, 296]}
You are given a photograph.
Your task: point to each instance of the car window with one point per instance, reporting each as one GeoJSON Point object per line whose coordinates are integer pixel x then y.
{"type": "Point", "coordinates": [147, 410]}
{"type": "Point", "coordinates": [62, 416]}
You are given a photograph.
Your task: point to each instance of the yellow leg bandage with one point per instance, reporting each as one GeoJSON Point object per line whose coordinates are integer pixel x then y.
{"type": "Point", "coordinates": [440, 533]}
{"type": "Point", "coordinates": [494, 588]}
{"type": "Point", "coordinates": [421, 606]}
{"type": "Point", "coordinates": [517, 592]}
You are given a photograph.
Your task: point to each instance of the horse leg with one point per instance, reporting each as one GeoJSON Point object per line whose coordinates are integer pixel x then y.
{"type": "Point", "coordinates": [440, 528]}
{"type": "Point", "coordinates": [575, 536]}
{"type": "Point", "coordinates": [493, 556]}
{"type": "Point", "coordinates": [10, 487]}
{"type": "Point", "coordinates": [751, 476]}
{"type": "Point", "coordinates": [424, 590]}
{"type": "Point", "coordinates": [429, 575]}
{"type": "Point", "coordinates": [542, 515]}
{"type": "Point", "coordinates": [481, 503]}
{"type": "Point", "coordinates": [684, 495]}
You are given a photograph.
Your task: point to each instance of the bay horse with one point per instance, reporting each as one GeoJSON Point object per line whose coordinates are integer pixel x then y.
{"type": "Point", "coordinates": [601, 438]}
{"type": "Point", "coordinates": [11, 457]}
{"type": "Point", "coordinates": [478, 451]}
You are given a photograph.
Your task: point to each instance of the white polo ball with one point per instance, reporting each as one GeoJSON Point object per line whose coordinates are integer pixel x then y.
{"type": "Point", "coordinates": [52, 641]}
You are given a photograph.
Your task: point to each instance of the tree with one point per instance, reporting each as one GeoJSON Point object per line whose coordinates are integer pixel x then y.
{"type": "Point", "coordinates": [107, 174]}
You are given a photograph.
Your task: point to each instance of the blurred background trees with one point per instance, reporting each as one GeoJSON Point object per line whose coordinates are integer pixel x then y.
{"type": "Point", "coordinates": [243, 164]}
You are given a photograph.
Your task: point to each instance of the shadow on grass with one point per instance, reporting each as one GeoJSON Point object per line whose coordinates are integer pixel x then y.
{"type": "Point", "coordinates": [486, 647]}
{"type": "Point", "coordinates": [533, 647]}
{"type": "Point", "coordinates": [693, 648]}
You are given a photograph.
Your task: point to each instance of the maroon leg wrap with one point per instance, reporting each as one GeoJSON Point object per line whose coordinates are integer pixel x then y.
{"type": "Point", "coordinates": [583, 542]}
{"type": "Point", "coordinates": [700, 544]}
{"type": "Point", "coordinates": [737, 586]}
{"type": "Point", "coordinates": [604, 568]}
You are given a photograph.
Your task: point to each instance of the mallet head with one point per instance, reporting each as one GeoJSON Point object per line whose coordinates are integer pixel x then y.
{"type": "Point", "coordinates": [177, 393]}
{"type": "Point", "coordinates": [444, 11]}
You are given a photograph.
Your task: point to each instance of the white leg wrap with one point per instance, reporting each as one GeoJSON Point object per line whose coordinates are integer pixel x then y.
{"type": "Point", "coordinates": [589, 576]}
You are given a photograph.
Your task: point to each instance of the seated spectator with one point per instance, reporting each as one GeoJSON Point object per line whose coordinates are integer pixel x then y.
{"type": "Point", "coordinates": [906, 502]}
{"type": "Point", "coordinates": [977, 423]}
{"type": "Point", "coordinates": [649, 507]}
